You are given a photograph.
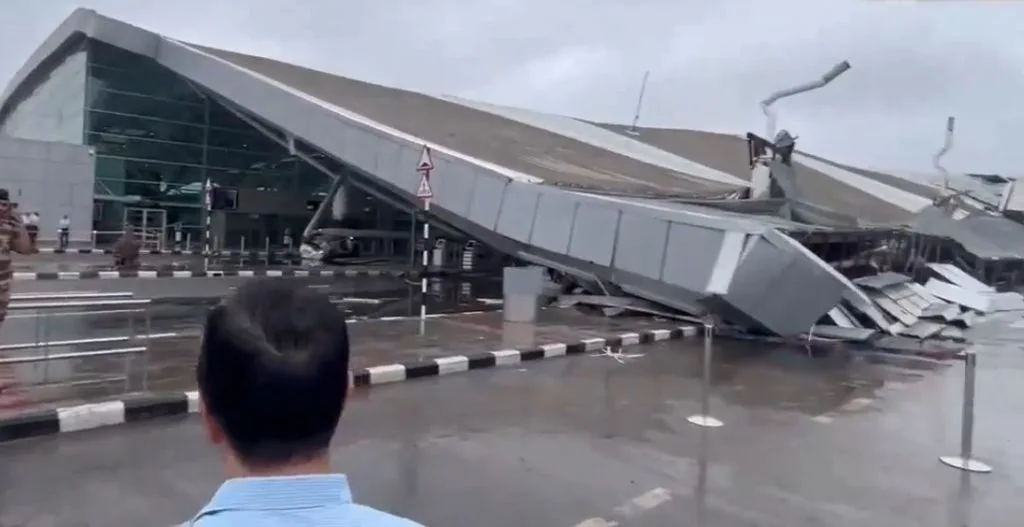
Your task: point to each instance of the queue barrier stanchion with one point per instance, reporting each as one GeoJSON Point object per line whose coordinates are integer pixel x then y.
{"type": "Point", "coordinates": [966, 461]}
{"type": "Point", "coordinates": [704, 418]}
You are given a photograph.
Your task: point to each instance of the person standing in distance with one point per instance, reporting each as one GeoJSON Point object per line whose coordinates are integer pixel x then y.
{"type": "Point", "coordinates": [64, 232]}
{"type": "Point", "coordinates": [273, 376]}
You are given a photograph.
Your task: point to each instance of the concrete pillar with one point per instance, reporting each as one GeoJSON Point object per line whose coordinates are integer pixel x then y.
{"type": "Point", "coordinates": [521, 289]}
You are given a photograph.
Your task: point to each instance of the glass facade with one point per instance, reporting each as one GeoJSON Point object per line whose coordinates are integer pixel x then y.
{"type": "Point", "coordinates": [54, 111]}
{"type": "Point", "coordinates": [157, 138]}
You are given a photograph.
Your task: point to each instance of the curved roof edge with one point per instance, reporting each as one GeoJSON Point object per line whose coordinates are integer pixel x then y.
{"type": "Point", "coordinates": [91, 24]}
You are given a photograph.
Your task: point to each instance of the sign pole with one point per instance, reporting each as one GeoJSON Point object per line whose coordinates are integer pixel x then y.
{"type": "Point", "coordinates": [425, 193]}
{"type": "Point", "coordinates": [207, 212]}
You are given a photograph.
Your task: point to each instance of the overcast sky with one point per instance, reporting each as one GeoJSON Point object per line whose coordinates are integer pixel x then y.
{"type": "Point", "coordinates": [914, 63]}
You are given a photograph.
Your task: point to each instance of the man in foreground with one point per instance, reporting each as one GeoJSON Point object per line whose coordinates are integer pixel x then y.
{"type": "Point", "coordinates": [273, 379]}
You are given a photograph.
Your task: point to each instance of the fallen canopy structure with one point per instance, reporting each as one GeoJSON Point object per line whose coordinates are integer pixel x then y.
{"type": "Point", "coordinates": [578, 197]}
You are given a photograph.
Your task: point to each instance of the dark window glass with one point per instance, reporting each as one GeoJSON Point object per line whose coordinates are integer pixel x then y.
{"type": "Point", "coordinates": [131, 126]}
{"type": "Point", "coordinates": [147, 107]}
{"type": "Point", "coordinates": [153, 81]}
{"type": "Point", "coordinates": [126, 146]}
{"type": "Point", "coordinates": [244, 141]}
{"type": "Point", "coordinates": [114, 169]}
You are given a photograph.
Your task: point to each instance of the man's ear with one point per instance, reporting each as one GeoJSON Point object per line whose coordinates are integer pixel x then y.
{"type": "Point", "coordinates": [213, 430]}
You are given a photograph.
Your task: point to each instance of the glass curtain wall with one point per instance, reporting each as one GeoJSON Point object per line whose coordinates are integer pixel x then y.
{"type": "Point", "coordinates": [157, 138]}
{"type": "Point", "coordinates": [54, 109]}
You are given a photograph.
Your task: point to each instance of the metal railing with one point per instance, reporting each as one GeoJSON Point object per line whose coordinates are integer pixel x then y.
{"type": "Point", "coordinates": [52, 362]}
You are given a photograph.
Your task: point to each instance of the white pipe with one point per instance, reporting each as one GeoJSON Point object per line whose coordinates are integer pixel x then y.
{"type": "Point", "coordinates": [766, 104]}
{"type": "Point", "coordinates": [947, 145]}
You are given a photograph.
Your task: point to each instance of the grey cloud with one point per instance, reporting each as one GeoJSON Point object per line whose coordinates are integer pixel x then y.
{"type": "Point", "coordinates": [710, 61]}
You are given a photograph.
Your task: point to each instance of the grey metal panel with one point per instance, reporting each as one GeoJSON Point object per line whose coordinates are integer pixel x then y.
{"type": "Point", "coordinates": [637, 246]}
{"type": "Point", "coordinates": [882, 280]}
{"type": "Point", "coordinates": [452, 182]}
{"type": "Point", "coordinates": [388, 153]}
{"type": "Point", "coordinates": [488, 195]}
{"type": "Point", "coordinates": [403, 172]}
{"type": "Point", "coordinates": [729, 257]}
{"type": "Point", "coordinates": [518, 211]}
{"type": "Point", "coordinates": [593, 233]}
{"type": "Point", "coordinates": [364, 150]}
{"type": "Point", "coordinates": [690, 255]}
{"type": "Point", "coordinates": [552, 225]}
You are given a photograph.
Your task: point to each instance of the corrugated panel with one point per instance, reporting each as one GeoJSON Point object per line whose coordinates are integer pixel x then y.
{"type": "Point", "coordinates": [882, 280]}
{"type": "Point", "coordinates": [958, 295]}
{"type": "Point", "coordinates": [957, 276]}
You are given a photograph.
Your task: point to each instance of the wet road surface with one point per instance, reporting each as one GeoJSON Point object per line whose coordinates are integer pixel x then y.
{"type": "Point", "coordinates": [587, 441]}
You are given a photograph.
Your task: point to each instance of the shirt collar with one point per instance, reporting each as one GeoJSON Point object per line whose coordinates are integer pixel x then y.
{"type": "Point", "coordinates": [280, 493]}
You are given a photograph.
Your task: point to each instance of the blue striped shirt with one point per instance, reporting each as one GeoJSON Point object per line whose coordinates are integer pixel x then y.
{"type": "Point", "coordinates": [292, 501]}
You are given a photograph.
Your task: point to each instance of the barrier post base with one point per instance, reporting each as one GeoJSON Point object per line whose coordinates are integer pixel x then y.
{"type": "Point", "coordinates": [967, 465]}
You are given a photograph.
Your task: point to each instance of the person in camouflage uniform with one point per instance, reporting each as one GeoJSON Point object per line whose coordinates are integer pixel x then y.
{"type": "Point", "coordinates": [13, 237]}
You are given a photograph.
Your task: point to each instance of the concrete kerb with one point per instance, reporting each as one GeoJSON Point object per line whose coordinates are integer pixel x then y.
{"type": "Point", "coordinates": [141, 407]}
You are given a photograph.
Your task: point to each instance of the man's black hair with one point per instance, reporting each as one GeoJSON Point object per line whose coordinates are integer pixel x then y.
{"type": "Point", "coordinates": [273, 371]}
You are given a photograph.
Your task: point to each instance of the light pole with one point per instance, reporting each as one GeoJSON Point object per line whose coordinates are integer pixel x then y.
{"type": "Point", "coordinates": [766, 104]}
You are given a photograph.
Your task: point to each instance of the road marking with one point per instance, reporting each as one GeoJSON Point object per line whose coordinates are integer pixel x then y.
{"type": "Point", "coordinates": [596, 522]}
{"type": "Point", "coordinates": [644, 502]}
{"type": "Point", "coordinates": [633, 507]}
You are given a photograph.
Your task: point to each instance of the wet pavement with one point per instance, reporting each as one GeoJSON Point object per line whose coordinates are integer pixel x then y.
{"type": "Point", "coordinates": [588, 441]}
{"type": "Point", "coordinates": [169, 364]}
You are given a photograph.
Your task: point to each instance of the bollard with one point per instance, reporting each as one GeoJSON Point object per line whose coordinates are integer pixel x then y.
{"type": "Point", "coordinates": [704, 418]}
{"type": "Point", "coordinates": [242, 251]}
{"type": "Point", "coordinates": [266, 250]}
{"type": "Point", "coordinates": [965, 461]}
{"type": "Point", "coordinates": [521, 288]}
{"type": "Point", "coordinates": [94, 240]}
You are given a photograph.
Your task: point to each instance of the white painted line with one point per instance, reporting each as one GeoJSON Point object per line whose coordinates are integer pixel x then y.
{"type": "Point", "coordinates": [661, 334]}
{"type": "Point", "coordinates": [644, 502]}
{"type": "Point", "coordinates": [506, 357]}
{"type": "Point", "coordinates": [453, 364]}
{"type": "Point", "coordinates": [193, 401]}
{"type": "Point", "coordinates": [630, 339]}
{"type": "Point", "coordinates": [87, 416]}
{"type": "Point", "coordinates": [387, 373]}
{"type": "Point", "coordinates": [553, 350]}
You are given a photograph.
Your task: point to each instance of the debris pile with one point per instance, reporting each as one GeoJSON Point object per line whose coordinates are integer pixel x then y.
{"type": "Point", "coordinates": [894, 304]}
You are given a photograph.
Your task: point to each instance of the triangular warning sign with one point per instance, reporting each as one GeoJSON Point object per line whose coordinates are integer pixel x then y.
{"type": "Point", "coordinates": [425, 162]}
{"type": "Point", "coordinates": [424, 191]}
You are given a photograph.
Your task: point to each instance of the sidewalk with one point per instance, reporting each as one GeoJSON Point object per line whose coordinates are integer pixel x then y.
{"type": "Point", "coordinates": [169, 365]}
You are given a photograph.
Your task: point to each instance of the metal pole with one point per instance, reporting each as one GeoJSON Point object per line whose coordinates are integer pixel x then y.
{"type": "Point", "coordinates": [766, 105]}
{"type": "Point", "coordinates": [947, 145]}
{"type": "Point", "coordinates": [704, 419]}
{"type": "Point", "coordinates": [208, 209]}
{"type": "Point", "coordinates": [266, 250]}
{"type": "Point", "coordinates": [965, 461]}
{"type": "Point", "coordinates": [426, 260]}
{"type": "Point", "coordinates": [188, 242]}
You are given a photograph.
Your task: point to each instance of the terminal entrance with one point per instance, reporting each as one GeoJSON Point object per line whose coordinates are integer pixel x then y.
{"type": "Point", "coordinates": [149, 225]}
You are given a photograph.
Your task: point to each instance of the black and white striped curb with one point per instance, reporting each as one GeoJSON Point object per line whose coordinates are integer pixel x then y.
{"type": "Point", "coordinates": [142, 407]}
{"type": "Point", "coordinates": [243, 273]}
{"type": "Point", "coordinates": [222, 254]}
